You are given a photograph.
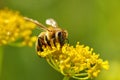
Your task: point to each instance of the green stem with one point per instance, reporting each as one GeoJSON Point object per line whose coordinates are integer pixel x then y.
{"type": "Point", "coordinates": [1, 60]}
{"type": "Point", "coordinates": [66, 78]}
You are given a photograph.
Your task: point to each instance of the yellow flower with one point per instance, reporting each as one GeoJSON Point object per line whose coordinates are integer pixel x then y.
{"type": "Point", "coordinates": [15, 29]}
{"type": "Point", "coordinates": [78, 62]}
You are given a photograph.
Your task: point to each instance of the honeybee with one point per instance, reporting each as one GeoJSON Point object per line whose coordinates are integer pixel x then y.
{"type": "Point", "coordinates": [51, 35]}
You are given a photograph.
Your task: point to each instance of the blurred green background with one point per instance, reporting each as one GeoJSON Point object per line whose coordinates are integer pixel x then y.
{"type": "Point", "coordinates": [95, 23]}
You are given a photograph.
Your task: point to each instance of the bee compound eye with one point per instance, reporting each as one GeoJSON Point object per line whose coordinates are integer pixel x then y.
{"type": "Point", "coordinates": [59, 34]}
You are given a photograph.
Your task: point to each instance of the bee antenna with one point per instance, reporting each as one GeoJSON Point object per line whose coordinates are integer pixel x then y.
{"type": "Point", "coordinates": [36, 22]}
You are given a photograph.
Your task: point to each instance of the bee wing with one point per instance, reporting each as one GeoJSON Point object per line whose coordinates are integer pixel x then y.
{"type": "Point", "coordinates": [51, 22]}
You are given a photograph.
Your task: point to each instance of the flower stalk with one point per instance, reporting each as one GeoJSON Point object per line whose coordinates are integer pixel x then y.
{"type": "Point", "coordinates": [1, 60]}
{"type": "Point", "coordinates": [66, 78]}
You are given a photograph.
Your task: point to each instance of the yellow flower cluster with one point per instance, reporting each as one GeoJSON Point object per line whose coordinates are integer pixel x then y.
{"type": "Point", "coordinates": [78, 62]}
{"type": "Point", "coordinates": [14, 28]}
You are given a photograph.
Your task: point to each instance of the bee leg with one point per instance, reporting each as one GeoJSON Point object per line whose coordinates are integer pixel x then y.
{"type": "Point", "coordinates": [39, 44]}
